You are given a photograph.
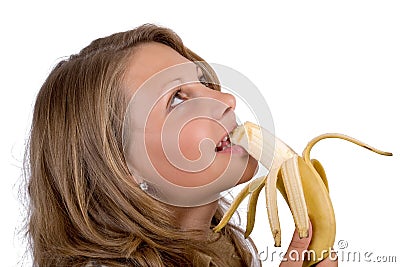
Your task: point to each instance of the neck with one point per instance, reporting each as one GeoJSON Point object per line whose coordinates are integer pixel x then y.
{"type": "Point", "coordinates": [196, 218]}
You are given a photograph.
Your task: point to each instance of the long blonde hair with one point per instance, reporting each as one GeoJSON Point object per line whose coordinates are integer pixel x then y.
{"type": "Point", "coordinates": [84, 206]}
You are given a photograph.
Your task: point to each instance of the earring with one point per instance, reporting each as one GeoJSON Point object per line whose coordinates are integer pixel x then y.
{"type": "Point", "coordinates": [143, 185]}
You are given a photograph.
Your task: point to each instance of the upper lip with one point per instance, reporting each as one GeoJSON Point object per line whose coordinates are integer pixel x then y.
{"type": "Point", "coordinates": [230, 129]}
{"type": "Point", "coordinates": [228, 121]}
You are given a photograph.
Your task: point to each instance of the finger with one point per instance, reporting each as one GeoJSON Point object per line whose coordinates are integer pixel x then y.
{"type": "Point", "coordinates": [330, 261]}
{"type": "Point", "coordinates": [294, 254]}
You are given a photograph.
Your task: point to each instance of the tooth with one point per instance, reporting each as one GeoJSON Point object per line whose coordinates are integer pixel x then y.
{"type": "Point", "coordinates": [225, 138]}
{"type": "Point", "coordinates": [219, 144]}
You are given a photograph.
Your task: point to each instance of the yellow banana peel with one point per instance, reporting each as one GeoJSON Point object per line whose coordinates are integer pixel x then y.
{"type": "Point", "coordinates": [301, 181]}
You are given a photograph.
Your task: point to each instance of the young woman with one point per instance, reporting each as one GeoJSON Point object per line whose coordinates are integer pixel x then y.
{"type": "Point", "coordinates": [92, 202]}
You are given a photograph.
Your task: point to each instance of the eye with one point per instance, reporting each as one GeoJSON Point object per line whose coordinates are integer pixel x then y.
{"type": "Point", "coordinates": [202, 77]}
{"type": "Point", "coordinates": [203, 80]}
{"type": "Point", "coordinates": [176, 99]}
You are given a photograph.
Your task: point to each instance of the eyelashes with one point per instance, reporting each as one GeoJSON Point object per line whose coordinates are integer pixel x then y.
{"type": "Point", "coordinates": [179, 97]}
{"type": "Point", "coordinates": [202, 80]}
{"type": "Point", "coordinates": [176, 98]}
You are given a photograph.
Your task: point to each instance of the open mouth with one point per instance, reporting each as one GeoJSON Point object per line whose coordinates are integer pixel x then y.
{"type": "Point", "coordinates": [223, 144]}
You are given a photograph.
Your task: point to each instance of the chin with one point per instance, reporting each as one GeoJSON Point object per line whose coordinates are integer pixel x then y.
{"type": "Point", "coordinates": [250, 171]}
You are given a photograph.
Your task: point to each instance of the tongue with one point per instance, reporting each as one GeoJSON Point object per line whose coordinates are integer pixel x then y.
{"type": "Point", "coordinates": [224, 143]}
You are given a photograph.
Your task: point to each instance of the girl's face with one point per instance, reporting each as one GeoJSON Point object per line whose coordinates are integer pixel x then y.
{"type": "Point", "coordinates": [177, 124]}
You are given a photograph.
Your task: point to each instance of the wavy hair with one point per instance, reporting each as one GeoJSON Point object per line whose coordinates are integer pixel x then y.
{"type": "Point", "coordinates": [84, 206]}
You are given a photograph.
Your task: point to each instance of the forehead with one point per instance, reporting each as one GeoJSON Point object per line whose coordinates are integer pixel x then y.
{"type": "Point", "coordinates": [149, 59]}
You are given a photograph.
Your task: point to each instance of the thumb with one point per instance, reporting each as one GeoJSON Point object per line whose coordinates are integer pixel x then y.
{"type": "Point", "coordinates": [295, 251]}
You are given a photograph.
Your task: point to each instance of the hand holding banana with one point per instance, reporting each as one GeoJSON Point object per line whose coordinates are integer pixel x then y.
{"type": "Point", "coordinates": [301, 181]}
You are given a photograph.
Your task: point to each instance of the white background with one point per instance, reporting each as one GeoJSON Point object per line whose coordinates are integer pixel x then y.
{"type": "Point", "coordinates": [323, 66]}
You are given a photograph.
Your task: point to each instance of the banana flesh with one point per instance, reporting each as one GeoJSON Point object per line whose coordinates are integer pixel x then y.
{"type": "Point", "coordinates": [301, 181]}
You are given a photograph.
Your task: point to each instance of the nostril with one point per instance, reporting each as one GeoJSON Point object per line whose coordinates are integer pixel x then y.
{"type": "Point", "coordinates": [226, 111]}
{"type": "Point", "coordinates": [225, 104]}
{"type": "Point", "coordinates": [231, 101]}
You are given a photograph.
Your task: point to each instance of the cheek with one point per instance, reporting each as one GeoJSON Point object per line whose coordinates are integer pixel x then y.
{"type": "Point", "coordinates": [196, 137]}
{"type": "Point", "coordinates": [240, 170]}
{"type": "Point", "coordinates": [250, 171]}
{"type": "Point", "coordinates": [193, 143]}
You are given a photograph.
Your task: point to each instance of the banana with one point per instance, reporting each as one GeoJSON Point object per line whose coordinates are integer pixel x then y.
{"type": "Point", "coordinates": [301, 181]}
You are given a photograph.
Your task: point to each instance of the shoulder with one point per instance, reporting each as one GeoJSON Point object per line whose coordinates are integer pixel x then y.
{"type": "Point", "coordinates": [225, 246]}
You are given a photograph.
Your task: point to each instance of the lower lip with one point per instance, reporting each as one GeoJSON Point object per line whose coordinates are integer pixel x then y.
{"type": "Point", "coordinates": [234, 149]}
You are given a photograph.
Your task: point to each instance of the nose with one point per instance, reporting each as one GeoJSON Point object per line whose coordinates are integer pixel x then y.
{"type": "Point", "coordinates": [226, 102]}
{"type": "Point", "coordinates": [229, 99]}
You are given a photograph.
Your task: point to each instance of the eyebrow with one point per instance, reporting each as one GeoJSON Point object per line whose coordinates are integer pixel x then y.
{"type": "Point", "coordinates": [197, 68]}
{"type": "Point", "coordinates": [170, 91]}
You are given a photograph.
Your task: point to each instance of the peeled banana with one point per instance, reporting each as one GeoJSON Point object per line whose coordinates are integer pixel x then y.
{"type": "Point", "coordinates": [301, 181]}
